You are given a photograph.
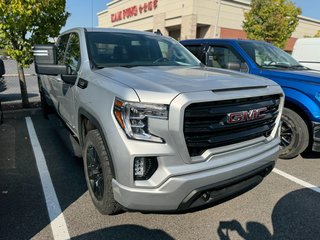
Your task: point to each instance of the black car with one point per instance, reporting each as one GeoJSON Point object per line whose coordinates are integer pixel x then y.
{"type": "Point", "coordinates": [3, 85]}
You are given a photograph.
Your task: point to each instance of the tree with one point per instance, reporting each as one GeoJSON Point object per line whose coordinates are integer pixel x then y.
{"type": "Point", "coordinates": [24, 23]}
{"type": "Point", "coordinates": [272, 21]}
{"type": "Point", "coordinates": [317, 35]}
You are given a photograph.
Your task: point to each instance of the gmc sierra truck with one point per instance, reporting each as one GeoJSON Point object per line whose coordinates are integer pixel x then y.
{"type": "Point", "coordinates": [301, 115]}
{"type": "Point", "coordinates": [159, 131]}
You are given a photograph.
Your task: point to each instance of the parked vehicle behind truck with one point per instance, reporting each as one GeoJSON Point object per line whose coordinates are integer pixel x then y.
{"type": "Point", "coordinates": [307, 52]}
{"type": "Point", "coordinates": [301, 115]}
{"type": "Point", "coordinates": [159, 131]}
{"type": "Point", "coordinates": [3, 85]}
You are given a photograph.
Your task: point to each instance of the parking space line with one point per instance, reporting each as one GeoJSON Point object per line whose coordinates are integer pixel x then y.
{"type": "Point", "coordinates": [297, 180]}
{"type": "Point", "coordinates": [57, 220]}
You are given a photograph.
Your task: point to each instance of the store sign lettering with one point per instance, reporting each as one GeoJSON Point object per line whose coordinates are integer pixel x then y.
{"type": "Point", "coordinates": [134, 11]}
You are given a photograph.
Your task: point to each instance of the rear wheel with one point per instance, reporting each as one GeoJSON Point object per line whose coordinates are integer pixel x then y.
{"type": "Point", "coordinates": [294, 134]}
{"type": "Point", "coordinates": [98, 173]}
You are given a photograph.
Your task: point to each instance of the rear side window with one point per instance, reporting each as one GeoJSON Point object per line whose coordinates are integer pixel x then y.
{"type": "Point", "coordinates": [62, 46]}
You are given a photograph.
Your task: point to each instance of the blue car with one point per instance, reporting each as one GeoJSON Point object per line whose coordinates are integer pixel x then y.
{"type": "Point", "coordinates": [301, 85]}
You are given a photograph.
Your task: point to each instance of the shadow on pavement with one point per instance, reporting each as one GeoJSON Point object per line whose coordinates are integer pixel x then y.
{"type": "Point", "coordinates": [125, 232]}
{"type": "Point", "coordinates": [23, 209]}
{"type": "Point", "coordinates": [310, 155]}
{"type": "Point", "coordinates": [5, 97]}
{"type": "Point", "coordinates": [293, 217]}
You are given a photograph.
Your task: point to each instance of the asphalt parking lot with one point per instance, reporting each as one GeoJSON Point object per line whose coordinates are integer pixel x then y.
{"type": "Point", "coordinates": [12, 93]}
{"type": "Point", "coordinates": [286, 205]}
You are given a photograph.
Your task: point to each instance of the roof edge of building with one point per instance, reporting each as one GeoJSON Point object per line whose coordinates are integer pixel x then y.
{"type": "Point", "coordinates": [113, 2]}
{"type": "Point", "coordinates": [102, 12]}
{"type": "Point", "coordinates": [244, 2]}
{"type": "Point", "coordinates": [309, 19]}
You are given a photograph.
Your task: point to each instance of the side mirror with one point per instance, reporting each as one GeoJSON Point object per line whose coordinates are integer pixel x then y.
{"type": "Point", "coordinates": [2, 69]}
{"type": "Point", "coordinates": [236, 66]}
{"type": "Point", "coordinates": [233, 66]}
{"type": "Point", "coordinates": [45, 59]}
{"type": "Point", "coordinates": [70, 79]}
{"type": "Point", "coordinates": [208, 59]}
{"type": "Point", "coordinates": [45, 54]}
{"type": "Point", "coordinates": [244, 67]}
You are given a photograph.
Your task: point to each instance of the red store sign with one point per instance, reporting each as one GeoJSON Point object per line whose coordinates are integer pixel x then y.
{"type": "Point", "coordinates": [134, 11]}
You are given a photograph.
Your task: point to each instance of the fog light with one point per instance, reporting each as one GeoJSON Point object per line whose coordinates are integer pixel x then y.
{"type": "Point", "coordinates": [144, 167]}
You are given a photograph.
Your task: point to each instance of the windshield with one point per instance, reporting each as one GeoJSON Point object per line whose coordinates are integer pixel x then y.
{"type": "Point", "coordinates": [268, 56]}
{"type": "Point", "coordinates": [110, 49]}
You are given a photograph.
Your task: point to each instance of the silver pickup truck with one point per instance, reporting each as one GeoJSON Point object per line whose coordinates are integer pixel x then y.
{"type": "Point", "coordinates": [158, 130]}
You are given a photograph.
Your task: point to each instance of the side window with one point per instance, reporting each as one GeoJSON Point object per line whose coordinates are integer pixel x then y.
{"type": "Point", "coordinates": [72, 56]}
{"type": "Point", "coordinates": [62, 45]}
{"type": "Point", "coordinates": [164, 49]}
{"type": "Point", "coordinates": [223, 57]}
{"type": "Point", "coordinates": [197, 50]}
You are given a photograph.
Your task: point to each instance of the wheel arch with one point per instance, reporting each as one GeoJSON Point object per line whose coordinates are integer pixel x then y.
{"type": "Point", "coordinates": [86, 123]}
{"type": "Point", "coordinates": [301, 104]}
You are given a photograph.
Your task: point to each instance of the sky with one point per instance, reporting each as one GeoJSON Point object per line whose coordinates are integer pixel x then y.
{"type": "Point", "coordinates": [84, 12]}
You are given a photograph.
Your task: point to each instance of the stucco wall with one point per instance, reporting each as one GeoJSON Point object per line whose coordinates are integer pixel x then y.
{"type": "Point", "coordinates": [190, 15]}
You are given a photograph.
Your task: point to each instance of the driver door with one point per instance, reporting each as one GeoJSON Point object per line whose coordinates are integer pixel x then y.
{"type": "Point", "coordinates": [65, 92]}
{"type": "Point", "coordinates": [68, 54]}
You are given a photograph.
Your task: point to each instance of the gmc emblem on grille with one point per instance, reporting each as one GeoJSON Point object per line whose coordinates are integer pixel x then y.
{"type": "Point", "coordinates": [237, 117]}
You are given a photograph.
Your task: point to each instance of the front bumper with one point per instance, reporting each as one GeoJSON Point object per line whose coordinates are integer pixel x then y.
{"type": "Point", "coordinates": [199, 188]}
{"type": "Point", "coordinates": [316, 136]}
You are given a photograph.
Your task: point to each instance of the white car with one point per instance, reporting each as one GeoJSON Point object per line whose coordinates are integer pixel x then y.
{"type": "Point", "coordinates": [307, 52]}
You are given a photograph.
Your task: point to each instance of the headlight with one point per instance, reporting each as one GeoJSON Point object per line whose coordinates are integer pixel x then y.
{"type": "Point", "coordinates": [134, 118]}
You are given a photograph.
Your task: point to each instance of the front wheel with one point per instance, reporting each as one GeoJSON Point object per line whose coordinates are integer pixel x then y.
{"type": "Point", "coordinates": [294, 134]}
{"type": "Point", "coordinates": [96, 159]}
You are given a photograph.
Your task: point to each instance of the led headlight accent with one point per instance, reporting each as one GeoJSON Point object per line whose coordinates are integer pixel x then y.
{"type": "Point", "coordinates": [134, 118]}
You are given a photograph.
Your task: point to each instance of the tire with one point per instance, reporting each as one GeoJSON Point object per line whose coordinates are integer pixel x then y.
{"type": "Point", "coordinates": [294, 134]}
{"type": "Point", "coordinates": [96, 159]}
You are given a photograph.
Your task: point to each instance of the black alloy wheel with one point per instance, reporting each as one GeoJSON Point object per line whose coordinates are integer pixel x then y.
{"type": "Point", "coordinates": [95, 173]}
{"type": "Point", "coordinates": [287, 136]}
{"type": "Point", "coordinates": [294, 134]}
{"type": "Point", "coordinates": [97, 170]}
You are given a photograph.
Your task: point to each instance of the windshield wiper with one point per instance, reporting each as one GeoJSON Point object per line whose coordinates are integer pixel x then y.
{"type": "Point", "coordinates": [275, 65]}
{"type": "Point", "coordinates": [96, 66]}
{"type": "Point", "coordinates": [298, 66]}
{"type": "Point", "coordinates": [133, 65]}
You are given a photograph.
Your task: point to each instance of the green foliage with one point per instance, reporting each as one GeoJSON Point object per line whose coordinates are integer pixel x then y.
{"type": "Point", "coordinates": [3, 52]}
{"type": "Point", "coordinates": [272, 21]}
{"type": "Point", "coordinates": [24, 23]}
{"type": "Point", "coordinates": [317, 35]}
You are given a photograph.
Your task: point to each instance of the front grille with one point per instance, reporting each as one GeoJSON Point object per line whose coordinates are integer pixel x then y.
{"type": "Point", "coordinates": [205, 124]}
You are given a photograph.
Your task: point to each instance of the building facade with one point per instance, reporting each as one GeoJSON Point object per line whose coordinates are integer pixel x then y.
{"type": "Point", "coordinates": [186, 19]}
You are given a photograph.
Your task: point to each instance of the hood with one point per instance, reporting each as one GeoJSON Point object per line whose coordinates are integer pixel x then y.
{"type": "Point", "coordinates": [310, 76]}
{"type": "Point", "coordinates": [154, 84]}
